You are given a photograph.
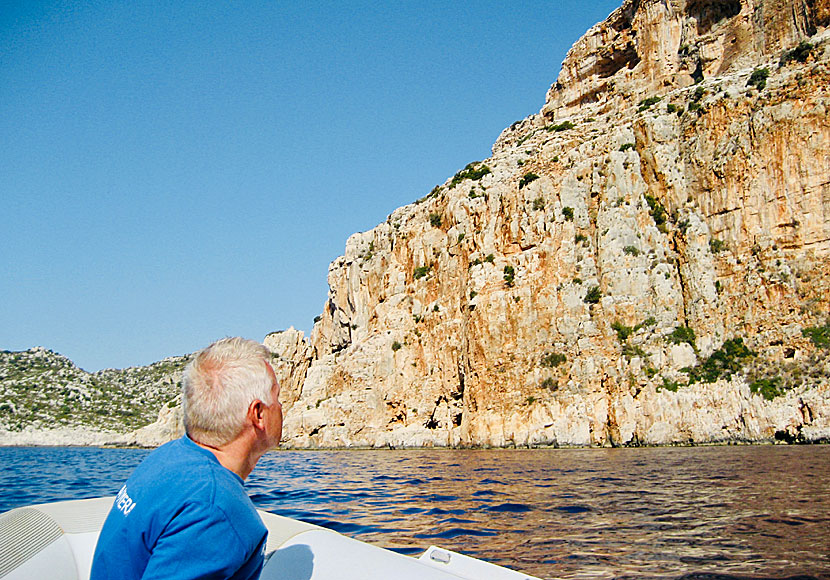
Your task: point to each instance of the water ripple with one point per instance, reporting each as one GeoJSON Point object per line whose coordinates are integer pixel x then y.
{"type": "Point", "coordinates": [718, 513]}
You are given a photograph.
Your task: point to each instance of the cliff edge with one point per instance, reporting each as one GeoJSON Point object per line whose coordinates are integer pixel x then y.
{"type": "Point", "coordinates": [644, 261]}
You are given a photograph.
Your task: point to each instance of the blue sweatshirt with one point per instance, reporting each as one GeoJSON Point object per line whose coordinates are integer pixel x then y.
{"type": "Point", "coordinates": [181, 515]}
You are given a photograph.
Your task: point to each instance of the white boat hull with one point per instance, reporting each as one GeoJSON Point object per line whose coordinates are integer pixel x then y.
{"type": "Point", "coordinates": [57, 541]}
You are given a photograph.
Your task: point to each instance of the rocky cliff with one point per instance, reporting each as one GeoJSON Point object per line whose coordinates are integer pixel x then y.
{"type": "Point", "coordinates": [644, 261]}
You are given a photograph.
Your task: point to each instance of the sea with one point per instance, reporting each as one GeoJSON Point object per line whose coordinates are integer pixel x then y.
{"type": "Point", "coordinates": [696, 513]}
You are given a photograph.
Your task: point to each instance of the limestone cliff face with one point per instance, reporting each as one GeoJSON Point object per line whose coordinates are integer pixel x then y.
{"type": "Point", "coordinates": [672, 196]}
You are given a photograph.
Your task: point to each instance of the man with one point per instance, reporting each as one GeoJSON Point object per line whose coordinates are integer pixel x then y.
{"type": "Point", "coordinates": [184, 513]}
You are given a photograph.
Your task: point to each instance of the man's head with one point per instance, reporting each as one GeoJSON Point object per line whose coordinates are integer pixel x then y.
{"type": "Point", "coordinates": [220, 385]}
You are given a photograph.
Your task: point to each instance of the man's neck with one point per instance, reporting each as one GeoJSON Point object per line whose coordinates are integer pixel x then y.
{"type": "Point", "coordinates": [236, 456]}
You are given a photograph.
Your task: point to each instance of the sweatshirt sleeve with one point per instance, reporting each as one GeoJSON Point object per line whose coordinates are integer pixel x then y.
{"type": "Point", "coordinates": [200, 542]}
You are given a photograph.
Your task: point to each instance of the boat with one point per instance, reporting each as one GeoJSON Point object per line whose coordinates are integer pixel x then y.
{"type": "Point", "coordinates": [57, 541]}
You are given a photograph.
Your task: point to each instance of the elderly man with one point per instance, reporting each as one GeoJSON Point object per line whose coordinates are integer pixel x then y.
{"type": "Point", "coordinates": [184, 512]}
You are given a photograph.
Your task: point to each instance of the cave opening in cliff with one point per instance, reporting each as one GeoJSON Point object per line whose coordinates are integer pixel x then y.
{"type": "Point", "coordinates": [708, 13]}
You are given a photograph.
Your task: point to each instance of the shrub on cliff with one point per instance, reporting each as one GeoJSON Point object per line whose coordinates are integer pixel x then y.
{"type": "Point", "coordinates": [668, 385]}
{"type": "Point", "coordinates": [435, 220]}
{"type": "Point", "coordinates": [818, 335]}
{"type": "Point", "coordinates": [623, 331]}
{"type": "Point", "coordinates": [768, 388]}
{"type": "Point", "coordinates": [475, 171]}
{"type": "Point", "coordinates": [509, 275]}
{"type": "Point", "coordinates": [564, 126]}
{"type": "Point", "coordinates": [553, 359]}
{"type": "Point", "coordinates": [800, 53]}
{"type": "Point", "coordinates": [633, 351]}
{"type": "Point", "coordinates": [550, 384]}
{"type": "Point", "coordinates": [646, 104]}
{"type": "Point", "coordinates": [683, 334]}
{"type": "Point", "coordinates": [716, 245]}
{"type": "Point", "coordinates": [593, 296]}
{"type": "Point", "coordinates": [657, 212]}
{"type": "Point", "coordinates": [722, 363]}
{"type": "Point", "coordinates": [527, 178]}
{"type": "Point", "coordinates": [758, 78]}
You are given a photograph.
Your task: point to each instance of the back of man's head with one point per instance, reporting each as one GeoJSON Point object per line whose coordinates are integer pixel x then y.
{"type": "Point", "coordinates": [218, 386]}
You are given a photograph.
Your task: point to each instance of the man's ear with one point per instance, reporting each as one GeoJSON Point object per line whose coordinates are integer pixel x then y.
{"type": "Point", "coordinates": [256, 414]}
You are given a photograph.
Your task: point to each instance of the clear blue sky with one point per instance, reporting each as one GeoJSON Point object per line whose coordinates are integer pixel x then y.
{"type": "Point", "coordinates": [176, 172]}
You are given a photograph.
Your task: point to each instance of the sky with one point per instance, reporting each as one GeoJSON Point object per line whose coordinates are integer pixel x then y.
{"type": "Point", "coordinates": [175, 172]}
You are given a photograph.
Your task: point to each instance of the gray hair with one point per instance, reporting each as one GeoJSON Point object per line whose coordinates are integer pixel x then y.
{"type": "Point", "coordinates": [219, 385]}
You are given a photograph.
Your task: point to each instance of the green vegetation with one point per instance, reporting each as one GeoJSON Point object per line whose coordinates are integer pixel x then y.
{"type": "Point", "coordinates": [564, 126]}
{"type": "Point", "coordinates": [768, 388]}
{"type": "Point", "coordinates": [550, 384]}
{"type": "Point", "coordinates": [694, 106]}
{"type": "Point", "coordinates": [579, 238]}
{"type": "Point", "coordinates": [593, 296]}
{"type": "Point", "coordinates": [671, 108]}
{"type": "Point", "coordinates": [683, 334]}
{"type": "Point", "coordinates": [668, 386]}
{"type": "Point", "coordinates": [435, 220]}
{"type": "Point", "coordinates": [716, 245]}
{"type": "Point", "coordinates": [631, 251]}
{"type": "Point", "coordinates": [396, 346]}
{"type": "Point", "coordinates": [553, 359]}
{"type": "Point", "coordinates": [475, 171]}
{"type": "Point", "coordinates": [527, 178]}
{"type": "Point", "coordinates": [568, 213]}
{"type": "Point", "coordinates": [626, 146]}
{"type": "Point", "coordinates": [489, 258]}
{"type": "Point", "coordinates": [800, 53]}
{"type": "Point", "coordinates": [509, 275]}
{"type": "Point", "coordinates": [758, 78]}
{"type": "Point", "coordinates": [646, 104]}
{"type": "Point", "coordinates": [633, 351]}
{"type": "Point", "coordinates": [473, 294]}
{"type": "Point", "coordinates": [538, 204]}
{"type": "Point", "coordinates": [723, 363]}
{"type": "Point", "coordinates": [421, 271]}
{"type": "Point", "coordinates": [657, 212]}
{"type": "Point", "coordinates": [818, 335]}
{"type": "Point", "coordinates": [43, 388]}
{"type": "Point", "coordinates": [623, 331]}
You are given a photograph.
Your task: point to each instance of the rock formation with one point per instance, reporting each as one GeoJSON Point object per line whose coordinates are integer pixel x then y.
{"type": "Point", "coordinates": [644, 261]}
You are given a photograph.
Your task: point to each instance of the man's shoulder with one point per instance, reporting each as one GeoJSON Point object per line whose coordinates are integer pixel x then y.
{"type": "Point", "coordinates": [181, 474]}
{"type": "Point", "coordinates": [173, 461]}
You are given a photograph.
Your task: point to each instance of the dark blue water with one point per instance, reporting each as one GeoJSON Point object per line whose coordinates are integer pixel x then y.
{"type": "Point", "coordinates": [700, 513]}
